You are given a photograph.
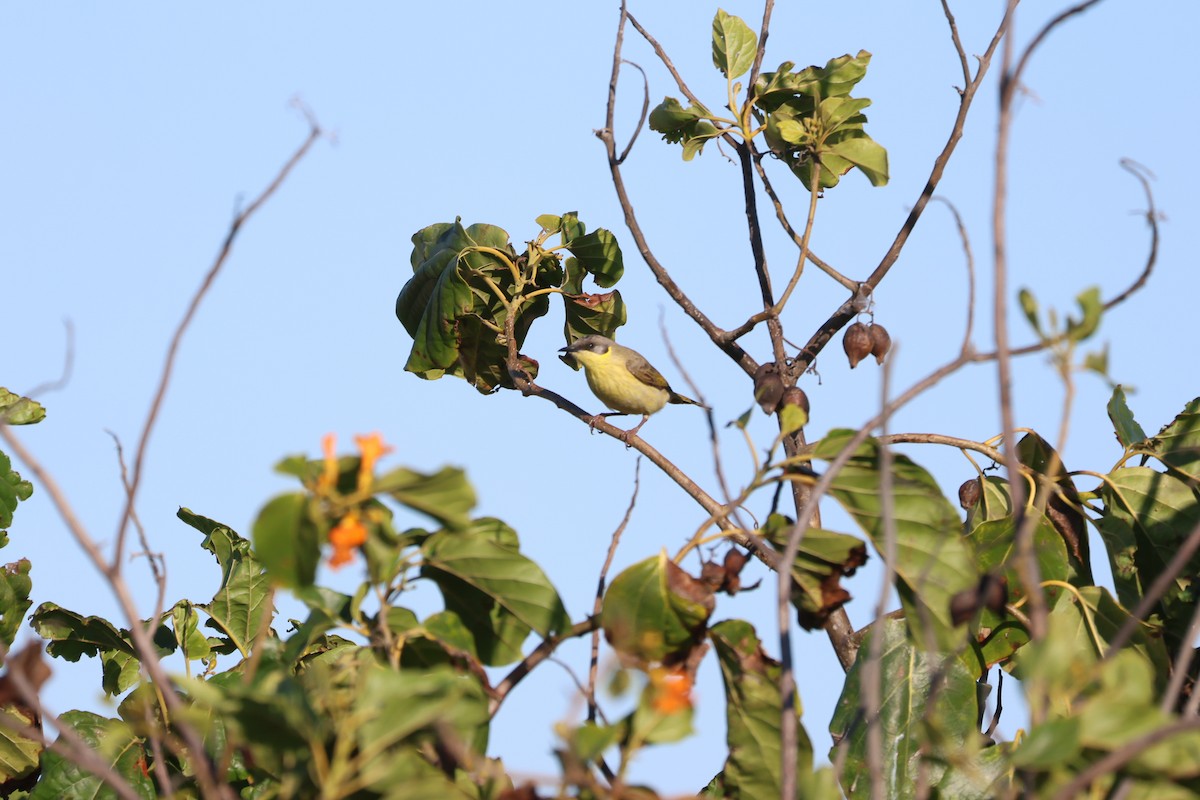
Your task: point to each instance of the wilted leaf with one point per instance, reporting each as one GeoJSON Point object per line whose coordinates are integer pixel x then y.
{"type": "Point", "coordinates": [18, 410]}
{"type": "Point", "coordinates": [644, 619]}
{"type": "Point", "coordinates": [823, 558]}
{"type": "Point", "coordinates": [753, 712]}
{"type": "Point", "coordinates": [686, 126]}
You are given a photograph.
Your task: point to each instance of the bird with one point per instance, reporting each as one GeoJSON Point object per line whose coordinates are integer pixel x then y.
{"type": "Point", "coordinates": [622, 379]}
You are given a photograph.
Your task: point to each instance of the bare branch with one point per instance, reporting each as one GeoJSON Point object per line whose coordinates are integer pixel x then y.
{"type": "Point", "coordinates": [1143, 175]}
{"type": "Point", "coordinates": [314, 133]}
{"type": "Point", "coordinates": [539, 654]}
{"type": "Point", "coordinates": [715, 333]}
{"type": "Point", "coordinates": [970, 256]}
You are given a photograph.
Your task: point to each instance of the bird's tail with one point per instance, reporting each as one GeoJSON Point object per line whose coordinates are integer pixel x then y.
{"type": "Point", "coordinates": [682, 400]}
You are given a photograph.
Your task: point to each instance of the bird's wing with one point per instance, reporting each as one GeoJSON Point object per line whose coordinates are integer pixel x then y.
{"type": "Point", "coordinates": [644, 372]}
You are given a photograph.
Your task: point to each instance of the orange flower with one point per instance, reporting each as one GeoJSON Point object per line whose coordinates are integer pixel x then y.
{"type": "Point", "coordinates": [328, 478]}
{"type": "Point", "coordinates": [373, 448]}
{"type": "Point", "coordinates": [348, 534]}
{"type": "Point", "coordinates": [672, 690]}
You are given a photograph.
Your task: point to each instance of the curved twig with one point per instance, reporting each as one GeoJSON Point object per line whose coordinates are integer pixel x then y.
{"type": "Point", "coordinates": [645, 111]}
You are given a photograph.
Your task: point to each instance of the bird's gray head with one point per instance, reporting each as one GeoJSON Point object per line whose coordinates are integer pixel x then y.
{"type": "Point", "coordinates": [593, 344]}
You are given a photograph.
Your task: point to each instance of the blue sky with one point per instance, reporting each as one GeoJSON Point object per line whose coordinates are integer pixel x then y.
{"type": "Point", "coordinates": [133, 133]}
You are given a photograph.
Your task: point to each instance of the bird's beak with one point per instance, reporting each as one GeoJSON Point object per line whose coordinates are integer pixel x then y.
{"type": "Point", "coordinates": [568, 358]}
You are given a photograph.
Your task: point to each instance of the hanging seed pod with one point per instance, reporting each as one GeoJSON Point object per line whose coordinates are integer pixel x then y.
{"type": "Point", "coordinates": [856, 341]}
{"type": "Point", "coordinates": [881, 342]}
{"type": "Point", "coordinates": [795, 396]}
{"type": "Point", "coordinates": [768, 387]}
{"type": "Point", "coordinates": [968, 493]}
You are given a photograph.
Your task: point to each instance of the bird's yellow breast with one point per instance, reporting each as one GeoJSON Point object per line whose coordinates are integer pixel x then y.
{"type": "Point", "coordinates": [616, 387]}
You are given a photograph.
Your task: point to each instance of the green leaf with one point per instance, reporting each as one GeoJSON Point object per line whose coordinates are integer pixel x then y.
{"type": "Point", "coordinates": [445, 495]}
{"type": "Point", "coordinates": [734, 45]}
{"type": "Point", "coordinates": [287, 538]}
{"type": "Point", "coordinates": [186, 624]}
{"type": "Point", "coordinates": [1128, 431]}
{"type": "Point", "coordinates": [599, 254]}
{"type": "Point", "coordinates": [863, 152]}
{"type": "Point", "coordinates": [73, 635]}
{"type": "Point", "coordinates": [1178, 443]}
{"type": "Point", "coordinates": [12, 491]}
{"type": "Point", "coordinates": [114, 742]}
{"type": "Point", "coordinates": [15, 586]}
{"type": "Point", "coordinates": [588, 314]}
{"type": "Point", "coordinates": [18, 410]}
{"type": "Point", "coordinates": [1049, 745]}
{"type": "Point", "coordinates": [499, 594]}
{"type": "Point", "coordinates": [995, 549]}
{"type": "Point", "coordinates": [929, 709]}
{"type": "Point", "coordinates": [398, 706]}
{"type": "Point", "coordinates": [551, 223]}
{"type": "Point", "coordinates": [1092, 307]}
{"type": "Point", "coordinates": [1148, 516]}
{"type": "Point", "coordinates": [451, 309]}
{"type": "Point", "coordinates": [686, 126]}
{"type": "Point", "coordinates": [19, 756]}
{"type": "Point", "coordinates": [654, 609]}
{"type": "Point", "coordinates": [1029, 305]}
{"type": "Point", "coordinates": [753, 712]}
{"type": "Point", "coordinates": [242, 605]}
{"type": "Point", "coordinates": [933, 560]}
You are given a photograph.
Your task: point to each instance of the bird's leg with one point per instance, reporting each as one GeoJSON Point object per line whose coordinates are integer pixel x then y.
{"type": "Point", "coordinates": [633, 431]}
{"type": "Point", "coordinates": [597, 417]}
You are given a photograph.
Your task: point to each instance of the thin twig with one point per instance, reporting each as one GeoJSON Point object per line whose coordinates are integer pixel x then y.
{"type": "Point", "coordinates": [966, 246]}
{"type": "Point", "coordinates": [714, 332]}
{"type": "Point", "coordinates": [539, 654]}
{"type": "Point", "coordinates": [846, 312]}
{"type": "Point", "coordinates": [594, 662]}
{"type": "Point", "coordinates": [160, 393]}
{"type": "Point", "coordinates": [68, 366]}
{"type": "Point", "coordinates": [645, 111]}
{"type": "Point", "coordinates": [1183, 662]}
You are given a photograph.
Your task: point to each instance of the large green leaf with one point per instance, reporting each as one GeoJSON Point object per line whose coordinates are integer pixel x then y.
{"type": "Point", "coordinates": [445, 495]}
{"type": "Point", "coordinates": [452, 309]}
{"type": "Point", "coordinates": [242, 605]}
{"type": "Point", "coordinates": [835, 79]}
{"type": "Point", "coordinates": [929, 709]}
{"type": "Point", "coordinates": [599, 254]}
{"type": "Point", "coordinates": [588, 314]}
{"type": "Point", "coordinates": [1148, 515]}
{"type": "Point", "coordinates": [499, 594]}
{"type": "Point", "coordinates": [734, 45]}
{"type": "Point", "coordinates": [287, 538]}
{"type": "Point", "coordinates": [752, 712]}
{"type": "Point", "coordinates": [653, 610]}
{"type": "Point", "coordinates": [114, 742]}
{"type": "Point", "coordinates": [933, 560]}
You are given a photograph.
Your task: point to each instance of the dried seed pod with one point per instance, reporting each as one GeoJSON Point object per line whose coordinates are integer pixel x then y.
{"type": "Point", "coordinates": [881, 342]}
{"type": "Point", "coordinates": [795, 396]}
{"type": "Point", "coordinates": [856, 341]}
{"type": "Point", "coordinates": [768, 387]}
{"type": "Point", "coordinates": [968, 493]}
